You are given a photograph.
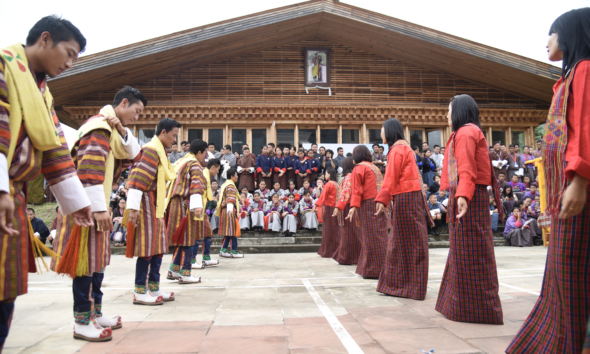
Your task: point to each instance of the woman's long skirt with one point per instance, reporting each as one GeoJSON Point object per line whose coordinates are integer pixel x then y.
{"type": "Point", "coordinates": [405, 273]}
{"type": "Point", "coordinates": [349, 249]}
{"type": "Point", "coordinates": [557, 323]}
{"type": "Point", "coordinates": [257, 219]}
{"type": "Point", "coordinates": [245, 223]}
{"type": "Point", "coordinates": [290, 175]}
{"type": "Point", "coordinates": [309, 221]}
{"type": "Point", "coordinates": [290, 223]}
{"type": "Point", "coordinates": [469, 288]}
{"type": "Point", "coordinates": [330, 236]}
{"type": "Point", "coordinates": [374, 239]}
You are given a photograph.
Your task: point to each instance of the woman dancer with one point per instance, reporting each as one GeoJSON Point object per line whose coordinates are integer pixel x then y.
{"type": "Point", "coordinates": [330, 235]}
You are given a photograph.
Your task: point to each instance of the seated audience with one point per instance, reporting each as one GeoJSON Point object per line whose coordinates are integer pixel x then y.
{"type": "Point", "coordinates": [53, 229]}
{"type": "Point", "coordinates": [243, 213]}
{"type": "Point", "coordinates": [272, 220]}
{"type": "Point", "coordinates": [256, 211]}
{"type": "Point", "coordinates": [502, 182]}
{"type": "Point", "coordinates": [494, 213]}
{"type": "Point", "coordinates": [290, 219]}
{"type": "Point", "coordinates": [519, 231]}
{"type": "Point", "coordinates": [317, 191]}
{"type": "Point", "coordinates": [39, 228]}
{"type": "Point", "coordinates": [532, 193]}
{"type": "Point", "coordinates": [436, 213]}
{"type": "Point", "coordinates": [264, 193]}
{"type": "Point", "coordinates": [248, 194]}
{"type": "Point", "coordinates": [508, 199]}
{"type": "Point", "coordinates": [277, 190]}
{"type": "Point", "coordinates": [435, 186]}
{"type": "Point", "coordinates": [119, 234]}
{"type": "Point", "coordinates": [309, 219]}
{"type": "Point", "coordinates": [293, 190]}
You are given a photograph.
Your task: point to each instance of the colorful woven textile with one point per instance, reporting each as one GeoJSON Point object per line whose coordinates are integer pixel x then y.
{"type": "Point", "coordinates": [330, 235]}
{"type": "Point", "coordinates": [374, 240]}
{"type": "Point", "coordinates": [349, 248]}
{"type": "Point", "coordinates": [377, 172]}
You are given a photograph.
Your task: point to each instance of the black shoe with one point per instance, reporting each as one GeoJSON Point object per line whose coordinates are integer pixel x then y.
{"type": "Point", "coordinates": [436, 231]}
{"type": "Point", "coordinates": [431, 232]}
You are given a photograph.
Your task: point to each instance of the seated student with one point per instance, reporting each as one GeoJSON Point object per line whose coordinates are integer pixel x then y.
{"type": "Point", "coordinates": [273, 211]}
{"type": "Point", "coordinates": [535, 207]}
{"type": "Point", "coordinates": [264, 193]}
{"type": "Point", "coordinates": [290, 220]}
{"type": "Point", "coordinates": [529, 214]}
{"type": "Point", "coordinates": [119, 234]}
{"type": "Point", "coordinates": [317, 191]}
{"type": "Point", "coordinates": [249, 196]}
{"type": "Point", "coordinates": [53, 229]}
{"type": "Point", "coordinates": [256, 211]}
{"type": "Point", "coordinates": [436, 213]}
{"type": "Point", "coordinates": [39, 228]}
{"type": "Point", "coordinates": [292, 190]}
{"type": "Point", "coordinates": [526, 180]}
{"type": "Point", "coordinates": [306, 187]}
{"type": "Point", "coordinates": [514, 232]}
{"type": "Point", "coordinates": [517, 187]}
{"type": "Point", "coordinates": [214, 219]}
{"type": "Point", "coordinates": [532, 193]}
{"type": "Point", "coordinates": [426, 191]}
{"type": "Point", "coordinates": [494, 213]}
{"type": "Point", "coordinates": [435, 186]}
{"type": "Point", "coordinates": [502, 182]}
{"type": "Point", "coordinates": [309, 219]}
{"type": "Point", "coordinates": [508, 199]}
{"type": "Point", "coordinates": [276, 189]}
{"type": "Point", "coordinates": [243, 213]}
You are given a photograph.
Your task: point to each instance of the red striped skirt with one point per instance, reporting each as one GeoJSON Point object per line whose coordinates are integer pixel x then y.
{"type": "Point", "coordinates": [374, 239]}
{"type": "Point", "coordinates": [349, 249]}
{"type": "Point", "coordinates": [330, 236]}
{"type": "Point", "coordinates": [291, 175]}
{"type": "Point", "coordinates": [282, 180]}
{"type": "Point", "coordinates": [469, 288]}
{"type": "Point", "coordinates": [405, 273]}
{"type": "Point", "coordinates": [557, 323]}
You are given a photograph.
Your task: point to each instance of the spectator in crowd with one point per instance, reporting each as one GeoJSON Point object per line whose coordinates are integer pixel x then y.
{"type": "Point", "coordinates": [246, 168]}
{"type": "Point", "coordinates": [228, 160]}
{"type": "Point", "coordinates": [184, 146]}
{"type": "Point", "coordinates": [502, 182]}
{"type": "Point", "coordinates": [437, 157]}
{"type": "Point", "coordinates": [526, 180]}
{"type": "Point", "coordinates": [427, 168]}
{"type": "Point", "coordinates": [514, 163]}
{"type": "Point", "coordinates": [435, 213]}
{"type": "Point", "coordinates": [212, 153]}
{"type": "Point", "coordinates": [517, 186]}
{"type": "Point", "coordinates": [314, 166]}
{"type": "Point", "coordinates": [425, 190]}
{"type": "Point", "coordinates": [53, 229]}
{"type": "Point", "coordinates": [521, 231]}
{"type": "Point", "coordinates": [425, 146]}
{"type": "Point", "coordinates": [317, 191]}
{"type": "Point", "coordinates": [316, 154]}
{"type": "Point", "coordinates": [378, 158]}
{"type": "Point", "coordinates": [328, 161]}
{"type": "Point", "coordinates": [321, 160]}
{"type": "Point", "coordinates": [256, 211]}
{"type": "Point", "coordinates": [494, 213]}
{"type": "Point", "coordinates": [418, 158]}
{"type": "Point", "coordinates": [532, 193]}
{"type": "Point", "coordinates": [529, 169]}
{"type": "Point", "coordinates": [174, 154]}
{"type": "Point", "coordinates": [237, 155]}
{"type": "Point", "coordinates": [243, 213]}
{"type": "Point", "coordinates": [517, 148]}
{"type": "Point", "coordinates": [340, 156]}
{"type": "Point", "coordinates": [499, 159]}
{"type": "Point", "coordinates": [39, 228]}
{"type": "Point", "coordinates": [537, 153]}
{"type": "Point", "coordinates": [349, 154]}
{"type": "Point", "coordinates": [503, 148]}
{"type": "Point", "coordinates": [435, 186]}
{"type": "Point", "coordinates": [119, 234]}
{"type": "Point", "coordinates": [508, 199]}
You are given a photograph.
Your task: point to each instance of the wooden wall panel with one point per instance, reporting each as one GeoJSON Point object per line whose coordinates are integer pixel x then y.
{"type": "Point", "coordinates": [276, 75]}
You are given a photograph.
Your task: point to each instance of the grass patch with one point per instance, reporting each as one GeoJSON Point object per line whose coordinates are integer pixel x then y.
{"type": "Point", "coordinates": [45, 212]}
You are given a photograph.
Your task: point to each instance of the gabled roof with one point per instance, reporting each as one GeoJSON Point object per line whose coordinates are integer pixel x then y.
{"type": "Point", "coordinates": [328, 19]}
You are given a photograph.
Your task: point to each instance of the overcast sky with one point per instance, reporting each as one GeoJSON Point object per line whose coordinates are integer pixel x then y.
{"type": "Point", "coordinates": [516, 26]}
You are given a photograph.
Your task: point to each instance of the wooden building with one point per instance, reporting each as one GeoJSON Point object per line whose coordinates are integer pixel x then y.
{"type": "Point", "coordinates": [242, 80]}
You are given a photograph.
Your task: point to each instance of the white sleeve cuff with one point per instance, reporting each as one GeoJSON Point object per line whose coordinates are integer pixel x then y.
{"type": "Point", "coordinates": [134, 199]}
{"type": "Point", "coordinates": [230, 208]}
{"type": "Point", "coordinates": [70, 195]}
{"type": "Point", "coordinates": [4, 180]}
{"type": "Point", "coordinates": [239, 169]}
{"type": "Point", "coordinates": [131, 145]}
{"type": "Point", "coordinates": [96, 196]}
{"type": "Point", "coordinates": [196, 201]}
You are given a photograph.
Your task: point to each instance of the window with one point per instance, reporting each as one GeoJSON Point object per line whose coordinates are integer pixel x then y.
{"type": "Point", "coordinates": [416, 139]}
{"type": "Point", "coordinates": [146, 135]}
{"type": "Point", "coordinates": [238, 139]}
{"type": "Point", "coordinates": [375, 136]}
{"type": "Point", "coordinates": [194, 134]}
{"type": "Point", "coordinates": [258, 140]}
{"type": "Point", "coordinates": [434, 137]}
{"type": "Point", "coordinates": [350, 136]}
{"type": "Point", "coordinates": [285, 138]}
{"type": "Point", "coordinates": [499, 136]}
{"type": "Point", "coordinates": [329, 136]}
{"type": "Point", "coordinates": [216, 138]}
{"type": "Point", "coordinates": [518, 138]}
{"type": "Point", "coordinates": [307, 136]}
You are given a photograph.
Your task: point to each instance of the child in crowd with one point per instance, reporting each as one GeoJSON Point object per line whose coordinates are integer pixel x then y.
{"type": "Point", "coordinates": [273, 211]}
{"type": "Point", "coordinates": [264, 193]}
{"type": "Point", "coordinates": [517, 187]}
{"type": "Point", "coordinates": [317, 191]}
{"type": "Point", "coordinates": [532, 193]}
{"type": "Point", "coordinates": [302, 169]}
{"type": "Point", "coordinates": [435, 186]}
{"type": "Point", "coordinates": [243, 213]}
{"type": "Point", "coordinates": [277, 190]}
{"type": "Point", "coordinates": [314, 165]}
{"type": "Point", "coordinates": [494, 213]}
{"type": "Point", "coordinates": [292, 190]}
{"type": "Point", "coordinates": [306, 187]}
{"type": "Point", "coordinates": [256, 211]}
{"type": "Point", "coordinates": [502, 182]}
{"type": "Point", "coordinates": [309, 220]}
{"type": "Point", "coordinates": [436, 213]}
{"type": "Point", "coordinates": [248, 194]}
{"type": "Point", "coordinates": [526, 180]}
{"type": "Point", "coordinates": [290, 220]}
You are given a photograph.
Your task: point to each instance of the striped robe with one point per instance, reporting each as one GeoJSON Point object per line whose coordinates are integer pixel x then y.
{"type": "Point", "coordinates": [150, 233]}
{"type": "Point", "coordinates": [56, 166]}
{"type": "Point", "coordinates": [190, 181]}
{"type": "Point", "coordinates": [227, 222]}
{"type": "Point", "coordinates": [90, 156]}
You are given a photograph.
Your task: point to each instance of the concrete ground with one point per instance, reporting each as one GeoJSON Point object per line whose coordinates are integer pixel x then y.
{"type": "Point", "coordinates": [276, 303]}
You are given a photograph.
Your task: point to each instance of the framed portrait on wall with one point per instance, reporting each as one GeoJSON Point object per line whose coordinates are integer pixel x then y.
{"type": "Point", "coordinates": [317, 67]}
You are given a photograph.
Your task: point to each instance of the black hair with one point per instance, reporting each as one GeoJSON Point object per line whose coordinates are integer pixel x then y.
{"type": "Point", "coordinates": [377, 145]}
{"type": "Point", "coordinates": [244, 194]}
{"type": "Point", "coordinates": [347, 166]}
{"type": "Point", "coordinates": [289, 182]}
{"type": "Point", "coordinates": [427, 150]}
{"type": "Point", "coordinates": [516, 206]}
{"type": "Point", "coordinates": [272, 144]}
{"type": "Point", "coordinates": [231, 172]}
{"type": "Point", "coordinates": [275, 182]}
{"type": "Point", "coordinates": [132, 95]}
{"type": "Point", "coordinates": [306, 192]}
{"type": "Point", "coordinates": [436, 146]}
{"type": "Point", "coordinates": [243, 187]}
{"type": "Point", "coordinates": [330, 151]}
{"type": "Point", "coordinates": [314, 144]}
{"type": "Point", "coordinates": [56, 209]}
{"type": "Point", "coordinates": [511, 145]}
{"type": "Point", "coordinates": [256, 194]}
{"type": "Point", "coordinates": [213, 162]}
{"type": "Point", "coordinates": [246, 148]}
{"type": "Point", "coordinates": [60, 30]}
{"type": "Point", "coordinates": [227, 147]}
{"type": "Point", "coordinates": [394, 131]}
{"type": "Point", "coordinates": [262, 181]}
{"type": "Point", "coordinates": [507, 195]}
{"type": "Point", "coordinates": [291, 195]}
{"type": "Point", "coordinates": [167, 124]}
{"type": "Point", "coordinates": [275, 195]}
{"type": "Point", "coordinates": [540, 140]}
{"type": "Point", "coordinates": [211, 144]}
{"type": "Point", "coordinates": [464, 110]}
{"type": "Point", "coordinates": [516, 144]}
{"type": "Point", "coordinates": [31, 209]}
{"type": "Point", "coordinates": [333, 174]}
{"type": "Point", "coordinates": [573, 31]}
{"type": "Point", "coordinates": [527, 147]}
{"type": "Point", "coordinates": [197, 146]}
{"type": "Point", "coordinates": [349, 154]}
{"type": "Point", "coordinates": [414, 148]}
{"type": "Point", "coordinates": [339, 148]}
{"type": "Point", "coordinates": [323, 147]}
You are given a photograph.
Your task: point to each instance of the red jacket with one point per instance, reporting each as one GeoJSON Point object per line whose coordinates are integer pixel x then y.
{"type": "Point", "coordinates": [401, 173]}
{"type": "Point", "coordinates": [364, 185]}
{"type": "Point", "coordinates": [328, 196]}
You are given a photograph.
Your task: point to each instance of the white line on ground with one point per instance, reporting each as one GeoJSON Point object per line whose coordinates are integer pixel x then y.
{"type": "Point", "coordinates": [520, 289]}
{"type": "Point", "coordinates": [346, 339]}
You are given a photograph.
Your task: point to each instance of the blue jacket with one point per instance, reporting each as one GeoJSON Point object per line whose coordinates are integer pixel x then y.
{"type": "Point", "coordinates": [278, 164]}
{"type": "Point", "coordinates": [302, 167]}
{"type": "Point", "coordinates": [263, 163]}
{"type": "Point", "coordinates": [290, 161]}
{"type": "Point", "coordinates": [314, 166]}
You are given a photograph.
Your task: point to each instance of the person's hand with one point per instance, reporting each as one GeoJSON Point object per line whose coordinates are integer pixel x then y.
{"type": "Point", "coordinates": [351, 214]}
{"type": "Point", "coordinates": [114, 122]}
{"type": "Point", "coordinates": [336, 212]}
{"type": "Point", "coordinates": [103, 221]}
{"type": "Point", "coordinates": [461, 207]}
{"type": "Point", "coordinates": [6, 215]}
{"type": "Point", "coordinates": [574, 198]}
{"type": "Point", "coordinates": [83, 217]}
{"type": "Point", "coordinates": [314, 210]}
{"type": "Point", "coordinates": [118, 219]}
{"type": "Point", "coordinates": [285, 214]}
{"type": "Point", "coordinates": [133, 217]}
{"type": "Point", "coordinates": [198, 212]}
{"type": "Point", "coordinates": [380, 207]}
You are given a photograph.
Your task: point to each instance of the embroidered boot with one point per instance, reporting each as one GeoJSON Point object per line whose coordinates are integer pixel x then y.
{"type": "Point", "coordinates": [173, 272]}
{"type": "Point", "coordinates": [155, 290]}
{"type": "Point", "coordinates": [86, 328]}
{"type": "Point", "coordinates": [235, 254]}
{"type": "Point", "coordinates": [207, 261]}
{"type": "Point", "coordinates": [186, 277]}
{"type": "Point", "coordinates": [143, 297]}
{"type": "Point", "coordinates": [104, 321]}
{"type": "Point", "coordinates": [197, 265]}
{"type": "Point", "coordinates": [223, 253]}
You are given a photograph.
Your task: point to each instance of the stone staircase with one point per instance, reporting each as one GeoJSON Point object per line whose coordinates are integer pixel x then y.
{"type": "Point", "coordinates": [306, 241]}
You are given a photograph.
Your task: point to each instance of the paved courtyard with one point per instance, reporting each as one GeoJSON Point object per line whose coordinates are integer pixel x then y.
{"type": "Point", "coordinates": [276, 303]}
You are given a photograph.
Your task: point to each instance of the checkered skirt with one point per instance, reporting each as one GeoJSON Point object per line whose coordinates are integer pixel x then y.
{"type": "Point", "coordinates": [405, 273]}
{"type": "Point", "coordinates": [330, 236]}
{"type": "Point", "coordinates": [349, 248]}
{"type": "Point", "coordinates": [557, 323]}
{"type": "Point", "coordinates": [469, 288]}
{"type": "Point", "coordinates": [374, 239]}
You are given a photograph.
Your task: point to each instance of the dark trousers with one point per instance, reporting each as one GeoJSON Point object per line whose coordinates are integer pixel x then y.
{"type": "Point", "coordinates": [86, 289]}
{"type": "Point", "coordinates": [182, 257]}
{"type": "Point", "coordinates": [145, 265]}
{"type": "Point", "coordinates": [6, 311]}
{"type": "Point", "coordinates": [234, 242]}
{"type": "Point", "coordinates": [206, 247]}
